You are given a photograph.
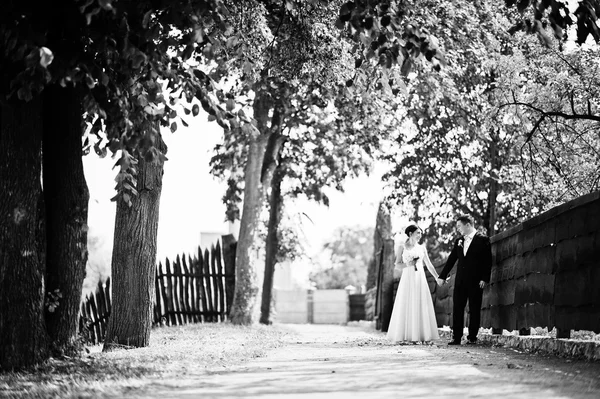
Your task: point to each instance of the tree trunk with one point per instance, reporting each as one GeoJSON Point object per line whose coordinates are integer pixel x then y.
{"type": "Point", "coordinates": [272, 244]}
{"type": "Point", "coordinates": [383, 234]}
{"type": "Point", "coordinates": [493, 194]}
{"type": "Point", "coordinates": [246, 288]}
{"type": "Point", "coordinates": [134, 260]}
{"type": "Point", "coordinates": [66, 199]}
{"type": "Point", "coordinates": [387, 284]}
{"type": "Point", "coordinates": [23, 338]}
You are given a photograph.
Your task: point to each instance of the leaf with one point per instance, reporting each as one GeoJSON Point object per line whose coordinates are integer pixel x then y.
{"type": "Point", "coordinates": [230, 104]}
{"type": "Point", "coordinates": [522, 5]}
{"type": "Point", "coordinates": [289, 5]}
{"type": "Point", "coordinates": [406, 67]}
{"type": "Point", "coordinates": [138, 60]}
{"type": "Point", "coordinates": [211, 118]}
{"type": "Point", "coordinates": [187, 52]}
{"type": "Point", "coordinates": [195, 110]}
{"type": "Point", "coordinates": [146, 19]}
{"type": "Point", "coordinates": [89, 81]}
{"type": "Point", "coordinates": [106, 4]}
{"type": "Point", "coordinates": [198, 35]}
{"type": "Point", "coordinates": [247, 67]}
{"type": "Point", "coordinates": [24, 93]}
{"type": "Point", "coordinates": [232, 41]}
{"type": "Point", "coordinates": [104, 78]}
{"type": "Point", "coordinates": [173, 127]}
{"type": "Point", "coordinates": [46, 57]}
{"type": "Point", "coordinates": [89, 15]}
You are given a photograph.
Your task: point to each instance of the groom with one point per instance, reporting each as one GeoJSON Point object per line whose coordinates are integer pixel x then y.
{"type": "Point", "coordinates": [474, 255]}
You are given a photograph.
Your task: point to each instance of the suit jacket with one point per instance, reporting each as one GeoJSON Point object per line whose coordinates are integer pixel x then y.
{"type": "Point", "coordinates": [473, 267]}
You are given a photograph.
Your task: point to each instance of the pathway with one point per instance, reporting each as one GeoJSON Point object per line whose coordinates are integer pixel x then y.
{"type": "Point", "coordinates": [335, 361]}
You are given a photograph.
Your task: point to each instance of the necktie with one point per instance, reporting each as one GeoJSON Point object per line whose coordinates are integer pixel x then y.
{"type": "Point", "coordinates": [468, 240]}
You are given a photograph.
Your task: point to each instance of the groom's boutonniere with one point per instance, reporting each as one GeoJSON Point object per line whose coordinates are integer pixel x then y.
{"type": "Point", "coordinates": [460, 242]}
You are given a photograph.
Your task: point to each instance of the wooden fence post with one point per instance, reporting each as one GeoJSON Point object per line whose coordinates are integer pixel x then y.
{"type": "Point", "coordinates": [229, 247]}
{"type": "Point", "coordinates": [387, 270]}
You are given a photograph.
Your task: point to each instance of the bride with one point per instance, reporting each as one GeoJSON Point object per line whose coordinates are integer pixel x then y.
{"type": "Point", "coordinates": [413, 316]}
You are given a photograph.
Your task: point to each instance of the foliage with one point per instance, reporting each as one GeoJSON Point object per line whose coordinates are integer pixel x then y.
{"type": "Point", "coordinates": [134, 59]}
{"type": "Point", "coordinates": [555, 98]}
{"type": "Point", "coordinates": [468, 144]}
{"type": "Point", "coordinates": [387, 38]}
{"type": "Point", "coordinates": [349, 251]}
{"type": "Point", "coordinates": [557, 14]}
{"type": "Point", "coordinates": [451, 156]}
{"type": "Point", "coordinates": [290, 235]}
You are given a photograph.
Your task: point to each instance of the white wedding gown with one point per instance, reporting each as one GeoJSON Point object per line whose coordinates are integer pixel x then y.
{"type": "Point", "coordinates": [413, 316]}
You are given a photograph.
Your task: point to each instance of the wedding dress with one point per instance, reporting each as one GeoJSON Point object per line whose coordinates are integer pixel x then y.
{"type": "Point", "coordinates": [413, 315]}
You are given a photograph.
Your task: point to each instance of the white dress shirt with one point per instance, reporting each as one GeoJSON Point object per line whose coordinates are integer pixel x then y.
{"type": "Point", "coordinates": [468, 240]}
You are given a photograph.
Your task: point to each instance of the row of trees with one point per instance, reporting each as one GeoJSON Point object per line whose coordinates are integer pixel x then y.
{"type": "Point", "coordinates": [119, 67]}
{"type": "Point", "coordinates": [320, 79]}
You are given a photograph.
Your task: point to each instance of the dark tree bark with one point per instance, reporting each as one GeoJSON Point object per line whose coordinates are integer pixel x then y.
{"type": "Point", "coordinates": [494, 188]}
{"type": "Point", "coordinates": [272, 244]}
{"type": "Point", "coordinates": [23, 338]}
{"type": "Point", "coordinates": [134, 260]}
{"type": "Point", "coordinates": [66, 199]}
{"type": "Point", "coordinates": [229, 247]}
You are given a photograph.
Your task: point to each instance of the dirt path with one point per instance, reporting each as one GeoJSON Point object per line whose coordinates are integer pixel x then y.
{"type": "Point", "coordinates": [335, 361]}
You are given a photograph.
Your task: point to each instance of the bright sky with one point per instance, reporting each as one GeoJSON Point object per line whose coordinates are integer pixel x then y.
{"type": "Point", "coordinates": [191, 197]}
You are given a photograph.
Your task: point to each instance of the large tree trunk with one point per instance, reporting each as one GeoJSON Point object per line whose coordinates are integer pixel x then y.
{"type": "Point", "coordinates": [134, 260]}
{"type": "Point", "coordinates": [23, 338]}
{"type": "Point", "coordinates": [272, 244]}
{"type": "Point", "coordinates": [246, 287]}
{"type": "Point", "coordinates": [66, 198]}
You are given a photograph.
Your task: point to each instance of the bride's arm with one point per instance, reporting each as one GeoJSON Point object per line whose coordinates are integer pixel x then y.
{"type": "Point", "coordinates": [429, 265]}
{"type": "Point", "coordinates": [398, 264]}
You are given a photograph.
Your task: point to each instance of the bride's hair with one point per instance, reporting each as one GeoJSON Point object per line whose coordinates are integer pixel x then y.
{"type": "Point", "coordinates": [411, 229]}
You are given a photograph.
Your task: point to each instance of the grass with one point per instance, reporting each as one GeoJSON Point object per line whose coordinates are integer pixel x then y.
{"type": "Point", "coordinates": [173, 352]}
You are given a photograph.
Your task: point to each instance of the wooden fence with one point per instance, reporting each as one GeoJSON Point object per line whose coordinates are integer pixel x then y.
{"type": "Point", "coordinates": [95, 310]}
{"type": "Point", "coordinates": [545, 273]}
{"type": "Point", "coordinates": [357, 306]}
{"type": "Point", "coordinates": [188, 290]}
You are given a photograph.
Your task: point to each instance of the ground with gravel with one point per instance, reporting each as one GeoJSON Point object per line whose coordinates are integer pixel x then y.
{"type": "Point", "coordinates": [357, 361]}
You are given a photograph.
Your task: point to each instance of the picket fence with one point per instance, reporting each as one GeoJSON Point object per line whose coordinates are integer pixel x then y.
{"type": "Point", "coordinates": [190, 289]}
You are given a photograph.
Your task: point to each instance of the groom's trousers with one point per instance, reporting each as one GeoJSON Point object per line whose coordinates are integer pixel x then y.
{"type": "Point", "coordinates": [464, 292]}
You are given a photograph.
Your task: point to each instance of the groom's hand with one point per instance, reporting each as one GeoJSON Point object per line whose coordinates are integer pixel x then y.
{"type": "Point", "coordinates": [481, 284]}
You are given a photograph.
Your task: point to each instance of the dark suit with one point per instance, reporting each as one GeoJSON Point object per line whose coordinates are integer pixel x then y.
{"type": "Point", "coordinates": [472, 268]}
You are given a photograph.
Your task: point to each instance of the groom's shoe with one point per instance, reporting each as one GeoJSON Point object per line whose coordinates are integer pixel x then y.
{"type": "Point", "coordinates": [472, 341]}
{"type": "Point", "coordinates": [454, 342]}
